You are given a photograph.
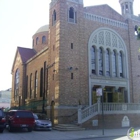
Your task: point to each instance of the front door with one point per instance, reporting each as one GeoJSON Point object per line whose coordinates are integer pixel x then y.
{"type": "Point", "coordinates": [109, 97]}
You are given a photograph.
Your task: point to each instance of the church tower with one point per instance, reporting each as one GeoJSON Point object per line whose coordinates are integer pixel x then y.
{"type": "Point", "coordinates": [126, 7]}
{"type": "Point", "coordinates": [66, 44]}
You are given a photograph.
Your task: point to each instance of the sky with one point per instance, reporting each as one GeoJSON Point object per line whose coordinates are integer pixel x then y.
{"type": "Point", "coordinates": [20, 19]}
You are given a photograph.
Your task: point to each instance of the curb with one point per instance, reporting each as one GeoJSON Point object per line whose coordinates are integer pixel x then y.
{"type": "Point", "coordinates": [99, 136]}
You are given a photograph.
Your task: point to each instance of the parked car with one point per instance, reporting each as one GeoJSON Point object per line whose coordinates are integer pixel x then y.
{"type": "Point", "coordinates": [42, 122]}
{"type": "Point", "coordinates": [20, 119]}
{"type": "Point", "coordinates": [2, 121]}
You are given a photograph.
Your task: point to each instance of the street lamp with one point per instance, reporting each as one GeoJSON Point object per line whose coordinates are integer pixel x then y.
{"type": "Point", "coordinates": [99, 93]}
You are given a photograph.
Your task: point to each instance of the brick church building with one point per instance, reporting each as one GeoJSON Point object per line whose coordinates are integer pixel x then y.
{"type": "Point", "coordinates": [82, 49]}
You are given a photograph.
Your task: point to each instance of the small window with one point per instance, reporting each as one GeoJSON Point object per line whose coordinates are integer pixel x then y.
{"type": "Point", "coordinates": [72, 16]}
{"type": "Point", "coordinates": [71, 45]}
{"type": "Point", "coordinates": [43, 39]}
{"type": "Point", "coordinates": [53, 47]}
{"type": "Point", "coordinates": [54, 18]}
{"type": "Point", "coordinates": [126, 7]}
{"type": "Point", "coordinates": [71, 75]}
{"type": "Point", "coordinates": [37, 39]}
{"type": "Point", "coordinates": [71, 13]}
{"type": "Point", "coordinates": [53, 76]}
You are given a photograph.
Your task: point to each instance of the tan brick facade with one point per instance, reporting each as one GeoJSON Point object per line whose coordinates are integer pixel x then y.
{"type": "Point", "coordinates": [67, 78]}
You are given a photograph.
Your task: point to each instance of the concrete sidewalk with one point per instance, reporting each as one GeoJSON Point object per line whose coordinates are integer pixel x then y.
{"type": "Point", "coordinates": [95, 133]}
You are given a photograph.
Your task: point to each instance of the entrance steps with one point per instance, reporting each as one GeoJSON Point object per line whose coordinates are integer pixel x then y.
{"type": "Point", "coordinates": [68, 127]}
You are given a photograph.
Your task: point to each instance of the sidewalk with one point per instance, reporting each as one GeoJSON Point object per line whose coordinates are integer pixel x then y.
{"type": "Point", "coordinates": [95, 133]}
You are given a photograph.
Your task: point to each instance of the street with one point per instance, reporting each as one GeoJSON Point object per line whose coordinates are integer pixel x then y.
{"type": "Point", "coordinates": [53, 135]}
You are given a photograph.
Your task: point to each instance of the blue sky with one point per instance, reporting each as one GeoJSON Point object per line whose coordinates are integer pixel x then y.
{"type": "Point", "coordinates": [20, 19]}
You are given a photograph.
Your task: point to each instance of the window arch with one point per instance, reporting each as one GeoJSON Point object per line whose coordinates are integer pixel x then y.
{"type": "Point", "coordinates": [16, 93]}
{"type": "Point", "coordinates": [100, 61]}
{"type": "Point", "coordinates": [110, 60]}
{"type": "Point", "coordinates": [72, 17]}
{"type": "Point", "coordinates": [43, 39]}
{"type": "Point", "coordinates": [107, 62]}
{"type": "Point", "coordinates": [120, 64]}
{"type": "Point", "coordinates": [114, 64]}
{"type": "Point", "coordinates": [93, 60]}
{"type": "Point", "coordinates": [54, 18]}
{"type": "Point", "coordinates": [37, 40]}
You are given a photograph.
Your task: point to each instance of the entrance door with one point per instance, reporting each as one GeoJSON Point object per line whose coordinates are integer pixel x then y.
{"type": "Point", "coordinates": [110, 97]}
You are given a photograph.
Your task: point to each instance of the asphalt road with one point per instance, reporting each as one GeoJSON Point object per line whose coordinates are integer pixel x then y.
{"type": "Point", "coordinates": [52, 135]}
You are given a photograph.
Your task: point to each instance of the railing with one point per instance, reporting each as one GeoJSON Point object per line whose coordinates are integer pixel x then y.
{"type": "Point", "coordinates": [108, 108]}
{"type": "Point", "coordinates": [87, 113]}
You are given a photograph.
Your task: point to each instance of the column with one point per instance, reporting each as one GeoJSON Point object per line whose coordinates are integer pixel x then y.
{"type": "Point", "coordinates": [124, 66]}
{"type": "Point", "coordinates": [116, 93]}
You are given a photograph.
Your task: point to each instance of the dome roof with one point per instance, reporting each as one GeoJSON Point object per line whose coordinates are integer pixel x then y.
{"type": "Point", "coordinates": [43, 29]}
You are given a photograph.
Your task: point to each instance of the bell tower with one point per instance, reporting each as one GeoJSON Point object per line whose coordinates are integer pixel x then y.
{"type": "Point", "coordinates": [126, 7]}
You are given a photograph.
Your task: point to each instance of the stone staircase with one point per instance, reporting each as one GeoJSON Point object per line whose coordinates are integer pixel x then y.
{"type": "Point", "coordinates": [68, 127]}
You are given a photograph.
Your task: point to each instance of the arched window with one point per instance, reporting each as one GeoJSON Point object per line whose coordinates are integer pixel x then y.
{"type": "Point", "coordinates": [72, 15]}
{"type": "Point", "coordinates": [100, 61]}
{"type": "Point", "coordinates": [37, 40]}
{"type": "Point", "coordinates": [120, 64]}
{"type": "Point", "coordinates": [43, 39]}
{"type": "Point", "coordinates": [114, 64]}
{"type": "Point", "coordinates": [16, 93]}
{"type": "Point", "coordinates": [41, 82]}
{"type": "Point", "coordinates": [26, 92]}
{"type": "Point", "coordinates": [93, 60]}
{"type": "Point", "coordinates": [54, 18]}
{"type": "Point", "coordinates": [107, 63]}
{"type": "Point", "coordinates": [31, 86]}
{"type": "Point", "coordinates": [36, 83]}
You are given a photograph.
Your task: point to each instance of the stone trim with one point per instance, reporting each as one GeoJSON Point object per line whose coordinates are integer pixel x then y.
{"type": "Point", "coordinates": [106, 20]}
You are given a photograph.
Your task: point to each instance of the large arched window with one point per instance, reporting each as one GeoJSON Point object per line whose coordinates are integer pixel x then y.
{"type": "Point", "coordinates": [31, 86]}
{"type": "Point", "coordinates": [41, 82]}
{"type": "Point", "coordinates": [36, 83]}
{"type": "Point", "coordinates": [54, 18]}
{"type": "Point", "coordinates": [120, 64]}
{"type": "Point", "coordinates": [26, 92]}
{"type": "Point", "coordinates": [93, 60]}
{"type": "Point", "coordinates": [109, 54]}
{"type": "Point", "coordinates": [100, 61]}
{"type": "Point", "coordinates": [107, 63]}
{"type": "Point", "coordinates": [114, 64]}
{"type": "Point", "coordinates": [43, 39]}
{"type": "Point", "coordinates": [16, 93]}
{"type": "Point", "coordinates": [72, 15]}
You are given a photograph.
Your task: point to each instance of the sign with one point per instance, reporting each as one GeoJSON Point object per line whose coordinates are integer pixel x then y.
{"type": "Point", "coordinates": [99, 92]}
{"type": "Point", "coordinates": [125, 122]}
